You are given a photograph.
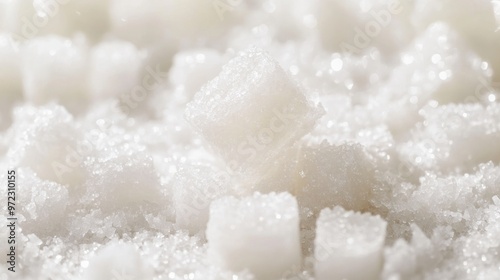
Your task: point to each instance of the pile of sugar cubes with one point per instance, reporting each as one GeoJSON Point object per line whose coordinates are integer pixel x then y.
{"type": "Point", "coordinates": [259, 139]}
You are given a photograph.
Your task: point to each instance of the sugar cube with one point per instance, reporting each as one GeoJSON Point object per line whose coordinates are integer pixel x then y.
{"type": "Point", "coordinates": [439, 65]}
{"type": "Point", "coordinates": [348, 245]}
{"type": "Point", "coordinates": [119, 180]}
{"type": "Point", "coordinates": [54, 68]}
{"type": "Point", "coordinates": [251, 110]}
{"type": "Point", "coordinates": [46, 143]}
{"type": "Point", "coordinates": [195, 187]}
{"type": "Point", "coordinates": [115, 70]}
{"type": "Point", "coordinates": [335, 175]}
{"type": "Point", "coordinates": [444, 140]}
{"type": "Point", "coordinates": [259, 233]}
{"type": "Point", "coordinates": [118, 261]}
{"type": "Point", "coordinates": [10, 68]}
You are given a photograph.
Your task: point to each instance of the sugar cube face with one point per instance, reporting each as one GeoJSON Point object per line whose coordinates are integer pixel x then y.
{"type": "Point", "coordinates": [119, 179]}
{"type": "Point", "coordinates": [118, 261]}
{"type": "Point", "coordinates": [115, 69]}
{"type": "Point", "coordinates": [195, 187]}
{"type": "Point", "coordinates": [335, 175]}
{"type": "Point", "coordinates": [54, 68]}
{"type": "Point", "coordinates": [47, 143]}
{"type": "Point", "coordinates": [259, 233]}
{"type": "Point", "coordinates": [251, 110]}
{"type": "Point", "coordinates": [348, 245]}
{"type": "Point", "coordinates": [10, 76]}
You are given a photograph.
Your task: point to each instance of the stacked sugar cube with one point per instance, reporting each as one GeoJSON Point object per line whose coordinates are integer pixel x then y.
{"type": "Point", "coordinates": [253, 115]}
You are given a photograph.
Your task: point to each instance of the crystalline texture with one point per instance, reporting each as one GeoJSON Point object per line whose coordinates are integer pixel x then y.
{"type": "Point", "coordinates": [348, 245]}
{"type": "Point", "coordinates": [251, 110]}
{"type": "Point", "coordinates": [335, 175]}
{"type": "Point", "coordinates": [45, 142]}
{"type": "Point", "coordinates": [195, 187]}
{"type": "Point", "coordinates": [259, 233]}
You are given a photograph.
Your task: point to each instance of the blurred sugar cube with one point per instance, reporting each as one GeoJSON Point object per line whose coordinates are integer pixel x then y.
{"type": "Point", "coordinates": [335, 175]}
{"type": "Point", "coordinates": [458, 14]}
{"type": "Point", "coordinates": [454, 137]}
{"type": "Point", "coordinates": [439, 65]}
{"type": "Point", "coordinates": [259, 233]}
{"type": "Point", "coordinates": [122, 177]}
{"type": "Point", "coordinates": [348, 245]}
{"type": "Point", "coordinates": [54, 68]}
{"type": "Point", "coordinates": [45, 139]}
{"type": "Point", "coordinates": [118, 261]}
{"type": "Point", "coordinates": [251, 111]}
{"type": "Point", "coordinates": [10, 68]}
{"type": "Point", "coordinates": [195, 187]}
{"type": "Point", "coordinates": [115, 69]}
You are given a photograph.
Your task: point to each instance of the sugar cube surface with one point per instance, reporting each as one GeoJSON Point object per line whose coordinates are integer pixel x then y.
{"type": "Point", "coordinates": [259, 233]}
{"type": "Point", "coordinates": [335, 175]}
{"type": "Point", "coordinates": [251, 110]}
{"type": "Point", "coordinates": [348, 245]}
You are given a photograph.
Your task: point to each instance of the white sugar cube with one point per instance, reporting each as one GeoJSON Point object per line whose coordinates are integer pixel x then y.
{"type": "Point", "coordinates": [439, 65]}
{"type": "Point", "coordinates": [45, 140]}
{"type": "Point", "coordinates": [251, 111]}
{"type": "Point", "coordinates": [486, 17]}
{"type": "Point", "coordinates": [348, 245]}
{"type": "Point", "coordinates": [118, 261]}
{"type": "Point", "coordinates": [335, 175]}
{"type": "Point", "coordinates": [119, 179]}
{"type": "Point", "coordinates": [259, 233]}
{"type": "Point", "coordinates": [115, 70]}
{"type": "Point", "coordinates": [195, 187]}
{"type": "Point", "coordinates": [10, 68]}
{"type": "Point", "coordinates": [455, 137]}
{"type": "Point", "coordinates": [54, 68]}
